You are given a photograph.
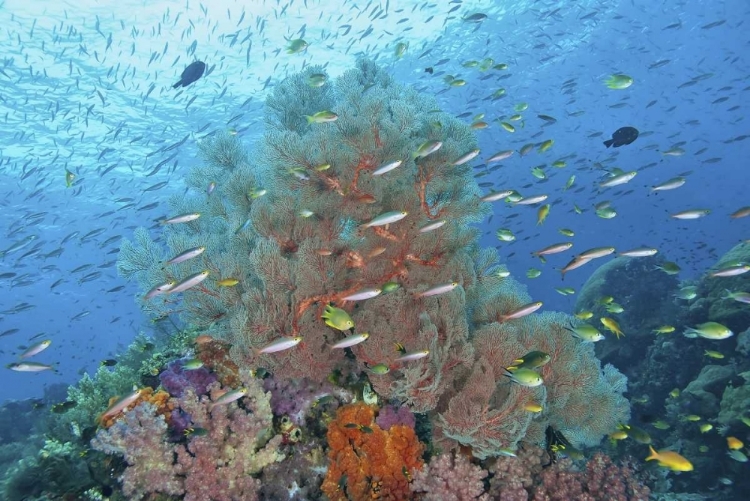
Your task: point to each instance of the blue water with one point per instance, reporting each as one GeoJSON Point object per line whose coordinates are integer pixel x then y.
{"type": "Point", "coordinates": [89, 89]}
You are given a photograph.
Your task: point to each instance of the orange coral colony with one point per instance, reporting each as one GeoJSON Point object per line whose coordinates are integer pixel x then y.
{"type": "Point", "coordinates": [366, 462]}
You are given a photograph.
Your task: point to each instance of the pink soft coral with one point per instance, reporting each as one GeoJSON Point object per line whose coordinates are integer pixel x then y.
{"type": "Point", "coordinates": [449, 477]}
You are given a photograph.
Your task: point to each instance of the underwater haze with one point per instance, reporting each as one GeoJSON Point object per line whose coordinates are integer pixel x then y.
{"type": "Point", "coordinates": [107, 125]}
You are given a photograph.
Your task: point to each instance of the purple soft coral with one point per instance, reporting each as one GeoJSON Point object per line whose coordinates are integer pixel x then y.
{"type": "Point", "coordinates": [175, 379]}
{"type": "Point", "coordinates": [294, 397]}
{"type": "Point", "coordinates": [390, 415]}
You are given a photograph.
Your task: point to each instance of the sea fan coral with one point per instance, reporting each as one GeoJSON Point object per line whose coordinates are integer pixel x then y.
{"type": "Point", "coordinates": [309, 224]}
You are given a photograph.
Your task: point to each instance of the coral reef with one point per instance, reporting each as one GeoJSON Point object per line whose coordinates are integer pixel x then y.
{"type": "Point", "coordinates": [298, 477]}
{"type": "Point", "coordinates": [601, 480]}
{"type": "Point", "coordinates": [704, 392]}
{"type": "Point", "coordinates": [309, 223]}
{"type": "Point", "coordinates": [295, 398]}
{"type": "Point", "coordinates": [735, 402]}
{"type": "Point", "coordinates": [390, 415]}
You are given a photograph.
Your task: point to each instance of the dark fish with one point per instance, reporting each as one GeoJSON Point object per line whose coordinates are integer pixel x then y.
{"type": "Point", "coordinates": [475, 18]}
{"type": "Point", "coordinates": [429, 70]}
{"type": "Point", "coordinates": [110, 362]}
{"type": "Point", "coordinates": [622, 136]}
{"type": "Point", "coordinates": [190, 74]}
{"type": "Point", "coordinates": [63, 406]}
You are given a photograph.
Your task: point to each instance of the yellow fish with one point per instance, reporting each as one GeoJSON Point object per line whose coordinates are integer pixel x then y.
{"type": "Point", "coordinates": [664, 329]}
{"type": "Point", "coordinates": [533, 407]}
{"type": "Point", "coordinates": [618, 435]}
{"type": "Point", "coordinates": [546, 145]}
{"type": "Point", "coordinates": [542, 213]}
{"type": "Point", "coordinates": [227, 282]}
{"type": "Point", "coordinates": [612, 326]}
{"type": "Point", "coordinates": [337, 318]}
{"type": "Point", "coordinates": [734, 443]}
{"type": "Point", "coordinates": [670, 459]}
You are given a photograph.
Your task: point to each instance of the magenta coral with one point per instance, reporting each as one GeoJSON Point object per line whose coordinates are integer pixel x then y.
{"type": "Point", "coordinates": [449, 477]}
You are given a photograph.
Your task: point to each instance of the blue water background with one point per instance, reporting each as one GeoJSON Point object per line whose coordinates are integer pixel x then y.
{"type": "Point", "coordinates": [544, 43]}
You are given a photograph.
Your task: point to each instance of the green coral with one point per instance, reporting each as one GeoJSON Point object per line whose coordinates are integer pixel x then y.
{"type": "Point", "coordinates": [735, 402]}
{"type": "Point", "coordinates": [56, 468]}
{"type": "Point", "coordinates": [705, 390]}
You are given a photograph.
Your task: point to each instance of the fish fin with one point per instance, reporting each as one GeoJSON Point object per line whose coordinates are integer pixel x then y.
{"type": "Point", "coordinates": [177, 84]}
{"type": "Point", "coordinates": [654, 454]}
{"type": "Point", "coordinates": [609, 142]}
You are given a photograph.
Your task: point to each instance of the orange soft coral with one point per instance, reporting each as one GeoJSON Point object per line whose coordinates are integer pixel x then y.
{"type": "Point", "coordinates": [367, 463]}
{"type": "Point", "coordinates": [160, 399]}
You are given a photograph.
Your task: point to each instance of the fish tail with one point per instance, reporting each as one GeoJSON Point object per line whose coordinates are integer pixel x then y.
{"type": "Point", "coordinates": [609, 142]}
{"type": "Point", "coordinates": [177, 84]}
{"type": "Point", "coordinates": [310, 119]}
{"type": "Point", "coordinates": [654, 454]}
